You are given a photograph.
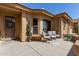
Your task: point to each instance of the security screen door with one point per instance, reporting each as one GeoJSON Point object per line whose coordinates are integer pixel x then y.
{"type": "Point", "coordinates": [9, 27]}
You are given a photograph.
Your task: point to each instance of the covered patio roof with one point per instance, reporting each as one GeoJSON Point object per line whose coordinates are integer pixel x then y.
{"type": "Point", "coordinates": [64, 14]}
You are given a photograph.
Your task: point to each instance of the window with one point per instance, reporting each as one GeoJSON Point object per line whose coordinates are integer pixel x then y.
{"type": "Point", "coordinates": [35, 26]}
{"type": "Point", "coordinates": [46, 25]}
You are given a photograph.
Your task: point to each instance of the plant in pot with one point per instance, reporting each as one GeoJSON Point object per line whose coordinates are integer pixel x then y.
{"type": "Point", "coordinates": [68, 37]}
{"type": "Point", "coordinates": [29, 32]}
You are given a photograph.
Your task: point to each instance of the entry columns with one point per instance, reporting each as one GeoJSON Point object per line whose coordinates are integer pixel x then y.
{"type": "Point", "coordinates": [23, 27]}
{"type": "Point", "coordinates": [61, 22]}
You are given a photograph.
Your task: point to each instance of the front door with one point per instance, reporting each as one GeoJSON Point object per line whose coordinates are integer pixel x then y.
{"type": "Point", "coordinates": [9, 27]}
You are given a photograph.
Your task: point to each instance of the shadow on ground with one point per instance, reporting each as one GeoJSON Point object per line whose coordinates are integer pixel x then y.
{"type": "Point", "coordinates": [71, 53]}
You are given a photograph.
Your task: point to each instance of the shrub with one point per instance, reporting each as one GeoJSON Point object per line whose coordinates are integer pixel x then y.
{"type": "Point", "coordinates": [68, 37]}
{"type": "Point", "coordinates": [28, 31]}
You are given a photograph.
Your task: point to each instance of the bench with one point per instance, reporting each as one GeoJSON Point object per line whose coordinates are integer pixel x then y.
{"type": "Point", "coordinates": [36, 38]}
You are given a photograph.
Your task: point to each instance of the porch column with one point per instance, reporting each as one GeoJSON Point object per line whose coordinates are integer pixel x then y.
{"type": "Point", "coordinates": [70, 29]}
{"type": "Point", "coordinates": [61, 22]}
{"type": "Point", "coordinates": [41, 25]}
{"type": "Point", "coordinates": [23, 27]}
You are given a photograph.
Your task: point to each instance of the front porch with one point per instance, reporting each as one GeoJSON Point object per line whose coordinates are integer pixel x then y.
{"type": "Point", "coordinates": [12, 22]}
{"type": "Point", "coordinates": [35, 48]}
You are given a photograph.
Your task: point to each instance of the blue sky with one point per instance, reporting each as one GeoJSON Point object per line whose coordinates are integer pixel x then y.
{"type": "Point", "coordinates": [71, 8]}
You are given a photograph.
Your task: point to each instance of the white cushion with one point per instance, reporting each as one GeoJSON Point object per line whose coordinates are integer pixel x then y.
{"type": "Point", "coordinates": [54, 32]}
{"type": "Point", "coordinates": [53, 36]}
{"type": "Point", "coordinates": [57, 35]}
{"type": "Point", "coordinates": [50, 33]}
{"type": "Point", "coordinates": [47, 37]}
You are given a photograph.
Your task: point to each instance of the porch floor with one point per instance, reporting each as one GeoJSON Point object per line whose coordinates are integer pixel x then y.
{"type": "Point", "coordinates": [57, 47]}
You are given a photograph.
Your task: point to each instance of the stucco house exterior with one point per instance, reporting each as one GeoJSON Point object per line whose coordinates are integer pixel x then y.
{"type": "Point", "coordinates": [15, 17]}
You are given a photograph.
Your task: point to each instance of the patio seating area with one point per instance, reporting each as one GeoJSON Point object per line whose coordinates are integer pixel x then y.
{"type": "Point", "coordinates": [49, 35]}
{"type": "Point", "coordinates": [57, 47]}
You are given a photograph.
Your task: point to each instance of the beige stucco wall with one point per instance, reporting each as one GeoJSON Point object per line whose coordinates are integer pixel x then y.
{"type": "Point", "coordinates": [55, 25]}
{"type": "Point", "coordinates": [70, 28]}
{"type": "Point", "coordinates": [25, 17]}
{"type": "Point", "coordinates": [2, 32]}
{"type": "Point", "coordinates": [65, 29]}
{"type": "Point", "coordinates": [58, 26]}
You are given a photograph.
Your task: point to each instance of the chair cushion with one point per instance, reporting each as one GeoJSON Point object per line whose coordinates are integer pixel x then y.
{"type": "Point", "coordinates": [45, 34]}
{"type": "Point", "coordinates": [54, 32]}
{"type": "Point", "coordinates": [54, 36]}
{"type": "Point", "coordinates": [47, 37]}
{"type": "Point", "coordinates": [50, 33]}
{"type": "Point", "coordinates": [57, 35]}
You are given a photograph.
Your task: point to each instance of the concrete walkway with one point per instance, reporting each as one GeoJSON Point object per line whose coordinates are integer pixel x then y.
{"type": "Point", "coordinates": [35, 48]}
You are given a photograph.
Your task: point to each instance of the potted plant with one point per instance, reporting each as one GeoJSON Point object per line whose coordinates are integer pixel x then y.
{"type": "Point", "coordinates": [29, 31]}
{"type": "Point", "coordinates": [68, 37]}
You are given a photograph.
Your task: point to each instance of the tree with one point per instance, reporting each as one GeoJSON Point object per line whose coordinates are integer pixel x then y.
{"type": "Point", "coordinates": [29, 31]}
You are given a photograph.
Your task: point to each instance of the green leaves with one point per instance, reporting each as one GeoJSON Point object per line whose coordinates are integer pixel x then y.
{"type": "Point", "coordinates": [68, 37]}
{"type": "Point", "coordinates": [28, 31]}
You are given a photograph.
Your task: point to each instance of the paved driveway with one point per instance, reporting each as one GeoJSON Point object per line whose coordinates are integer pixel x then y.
{"type": "Point", "coordinates": [35, 48]}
